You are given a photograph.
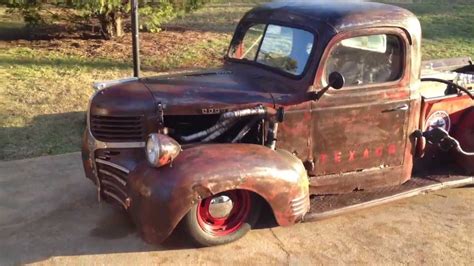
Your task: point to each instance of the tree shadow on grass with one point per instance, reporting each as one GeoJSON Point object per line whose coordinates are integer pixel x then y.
{"type": "Point", "coordinates": [218, 18]}
{"type": "Point", "coordinates": [44, 135]}
{"type": "Point", "coordinates": [12, 28]}
{"type": "Point", "coordinates": [105, 64]}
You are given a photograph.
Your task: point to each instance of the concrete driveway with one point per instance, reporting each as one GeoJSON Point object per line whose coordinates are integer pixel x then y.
{"type": "Point", "coordinates": [49, 215]}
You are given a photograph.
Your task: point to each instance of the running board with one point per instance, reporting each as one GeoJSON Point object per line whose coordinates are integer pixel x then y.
{"type": "Point", "coordinates": [327, 206]}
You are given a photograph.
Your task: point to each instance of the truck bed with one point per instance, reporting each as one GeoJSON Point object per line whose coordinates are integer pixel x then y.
{"type": "Point", "coordinates": [447, 69]}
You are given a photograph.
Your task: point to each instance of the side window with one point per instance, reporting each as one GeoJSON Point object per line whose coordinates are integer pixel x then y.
{"type": "Point", "coordinates": [367, 59]}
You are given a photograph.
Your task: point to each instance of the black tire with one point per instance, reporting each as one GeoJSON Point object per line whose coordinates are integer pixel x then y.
{"type": "Point", "coordinates": [204, 238]}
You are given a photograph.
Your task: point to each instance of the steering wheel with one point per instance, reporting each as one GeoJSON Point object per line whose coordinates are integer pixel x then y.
{"type": "Point", "coordinates": [450, 83]}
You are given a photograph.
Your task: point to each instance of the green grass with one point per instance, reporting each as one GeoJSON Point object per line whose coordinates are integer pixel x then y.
{"type": "Point", "coordinates": [43, 100]}
{"type": "Point", "coordinates": [217, 17]}
{"type": "Point", "coordinates": [448, 27]}
{"type": "Point", "coordinates": [45, 90]}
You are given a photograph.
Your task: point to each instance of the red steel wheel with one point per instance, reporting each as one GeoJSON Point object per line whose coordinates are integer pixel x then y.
{"type": "Point", "coordinates": [225, 213]}
{"type": "Point", "coordinates": [222, 218]}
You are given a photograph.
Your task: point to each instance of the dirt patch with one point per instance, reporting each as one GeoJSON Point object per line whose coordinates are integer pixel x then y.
{"type": "Point", "coordinates": [152, 45]}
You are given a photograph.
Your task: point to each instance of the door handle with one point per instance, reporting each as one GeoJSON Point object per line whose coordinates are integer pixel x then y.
{"type": "Point", "coordinates": [403, 107]}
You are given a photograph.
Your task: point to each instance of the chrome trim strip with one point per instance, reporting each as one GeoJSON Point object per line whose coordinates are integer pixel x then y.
{"type": "Point", "coordinates": [295, 208]}
{"type": "Point", "coordinates": [115, 197]}
{"type": "Point", "coordinates": [298, 203]}
{"type": "Point", "coordinates": [120, 180]}
{"type": "Point", "coordinates": [121, 168]}
{"type": "Point", "coordinates": [300, 206]}
{"type": "Point", "coordinates": [300, 212]}
{"type": "Point", "coordinates": [299, 199]}
{"type": "Point", "coordinates": [92, 144]}
{"type": "Point", "coordinates": [108, 183]}
{"type": "Point", "coordinates": [442, 97]}
{"type": "Point", "coordinates": [105, 84]}
{"type": "Point", "coordinates": [119, 145]}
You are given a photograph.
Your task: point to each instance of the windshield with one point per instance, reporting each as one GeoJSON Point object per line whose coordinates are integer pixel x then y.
{"type": "Point", "coordinates": [284, 48]}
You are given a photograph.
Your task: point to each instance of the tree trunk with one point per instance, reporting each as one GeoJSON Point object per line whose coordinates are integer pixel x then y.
{"type": "Point", "coordinates": [106, 28]}
{"type": "Point", "coordinates": [111, 25]}
{"type": "Point", "coordinates": [118, 25]}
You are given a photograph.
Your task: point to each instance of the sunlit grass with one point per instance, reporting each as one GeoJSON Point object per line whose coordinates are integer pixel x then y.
{"type": "Point", "coordinates": [43, 100]}
{"type": "Point", "coordinates": [448, 28]}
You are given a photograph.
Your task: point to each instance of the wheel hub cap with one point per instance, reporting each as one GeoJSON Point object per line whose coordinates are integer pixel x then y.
{"type": "Point", "coordinates": [220, 207]}
{"type": "Point", "coordinates": [225, 213]}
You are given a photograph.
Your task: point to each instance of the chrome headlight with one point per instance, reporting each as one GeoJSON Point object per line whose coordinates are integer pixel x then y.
{"type": "Point", "coordinates": [161, 149]}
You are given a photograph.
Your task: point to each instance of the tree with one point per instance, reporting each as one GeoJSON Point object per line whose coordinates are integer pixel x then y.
{"type": "Point", "coordinates": [29, 9]}
{"type": "Point", "coordinates": [110, 14]}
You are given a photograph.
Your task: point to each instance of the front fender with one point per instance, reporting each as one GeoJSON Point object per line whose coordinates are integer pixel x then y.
{"type": "Point", "coordinates": [160, 197]}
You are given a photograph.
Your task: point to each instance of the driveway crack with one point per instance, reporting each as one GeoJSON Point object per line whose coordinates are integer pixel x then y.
{"type": "Point", "coordinates": [281, 245]}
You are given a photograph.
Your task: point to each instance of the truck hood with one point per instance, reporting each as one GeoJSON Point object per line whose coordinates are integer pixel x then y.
{"type": "Point", "coordinates": [217, 90]}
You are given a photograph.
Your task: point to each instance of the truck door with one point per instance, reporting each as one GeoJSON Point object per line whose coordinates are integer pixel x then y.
{"type": "Point", "coordinates": [359, 133]}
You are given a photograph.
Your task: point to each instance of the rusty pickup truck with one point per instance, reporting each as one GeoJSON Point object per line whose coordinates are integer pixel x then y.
{"type": "Point", "coordinates": [318, 109]}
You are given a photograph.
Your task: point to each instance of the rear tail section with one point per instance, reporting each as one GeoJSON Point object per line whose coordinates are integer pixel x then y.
{"type": "Point", "coordinates": [447, 133]}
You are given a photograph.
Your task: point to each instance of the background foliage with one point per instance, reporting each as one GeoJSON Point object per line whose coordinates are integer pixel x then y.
{"type": "Point", "coordinates": [110, 13]}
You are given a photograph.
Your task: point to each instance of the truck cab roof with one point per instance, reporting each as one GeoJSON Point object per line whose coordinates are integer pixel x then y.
{"type": "Point", "coordinates": [339, 16]}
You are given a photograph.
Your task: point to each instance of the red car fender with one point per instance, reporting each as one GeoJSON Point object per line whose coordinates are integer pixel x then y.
{"type": "Point", "coordinates": [160, 197]}
{"type": "Point", "coordinates": [464, 133]}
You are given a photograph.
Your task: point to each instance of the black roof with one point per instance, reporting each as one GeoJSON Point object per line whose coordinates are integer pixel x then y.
{"type": "Point", "coordinates": [339, 15]}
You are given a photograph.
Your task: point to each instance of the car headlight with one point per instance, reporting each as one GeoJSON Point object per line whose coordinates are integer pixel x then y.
{"type": "Point", "coordinates": [161, 149]}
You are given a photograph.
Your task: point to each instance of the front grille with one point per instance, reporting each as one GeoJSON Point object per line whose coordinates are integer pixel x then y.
{"type": "Point", "coordinates": [118, 128]}
{"type": "Point", "coordinates": [113, 180]}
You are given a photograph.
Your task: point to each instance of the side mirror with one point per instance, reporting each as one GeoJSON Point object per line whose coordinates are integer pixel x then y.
{"type": "Point", "coordinates": [336, 81]}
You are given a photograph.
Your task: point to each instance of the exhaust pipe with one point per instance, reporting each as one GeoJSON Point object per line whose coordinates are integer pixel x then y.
{"type": "Point", "coordinates": [135, 40]}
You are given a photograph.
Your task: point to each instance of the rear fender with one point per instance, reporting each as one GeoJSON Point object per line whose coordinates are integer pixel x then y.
{"type": "Point", "coordinates": [463, 131]}
{"type": "Point", "coordinates": [457, 116]}
{"type": "Point", "coordinates": [160, 197]}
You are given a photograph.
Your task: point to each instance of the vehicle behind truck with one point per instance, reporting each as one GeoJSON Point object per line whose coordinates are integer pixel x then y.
{"type": "Point", "coordinates": [319, 109]}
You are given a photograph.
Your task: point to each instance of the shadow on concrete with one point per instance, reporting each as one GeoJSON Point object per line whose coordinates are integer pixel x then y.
{"type": "Point", "coordinates": [49, 209]}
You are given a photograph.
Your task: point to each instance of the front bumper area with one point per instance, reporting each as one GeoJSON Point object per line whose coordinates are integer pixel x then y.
{"type": "Point", "coordinates": [108, 165]}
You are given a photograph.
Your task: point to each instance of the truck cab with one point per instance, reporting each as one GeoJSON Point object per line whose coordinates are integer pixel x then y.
{"type": "Point", "coordinates": [312, 100]}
